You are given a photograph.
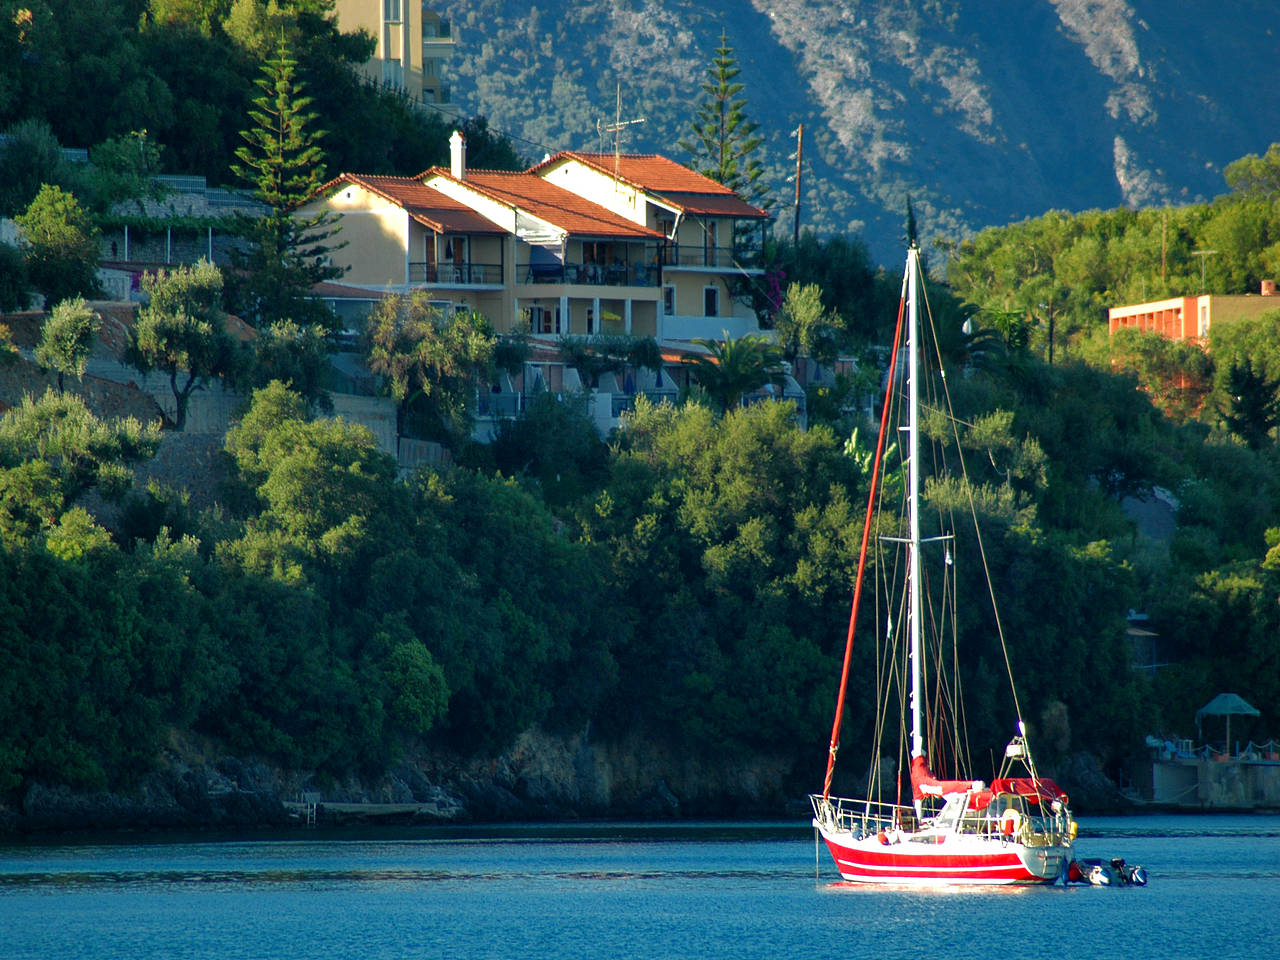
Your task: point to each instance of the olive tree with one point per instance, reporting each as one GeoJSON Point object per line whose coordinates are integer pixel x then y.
{"type": "Point", "coordinates": [182, 332]}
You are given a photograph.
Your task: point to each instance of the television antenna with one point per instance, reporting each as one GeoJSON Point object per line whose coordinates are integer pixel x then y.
{"type": "Point", "coordinates": [603, 128]}
{"type": "Point", "coordinates": [1203, 255]}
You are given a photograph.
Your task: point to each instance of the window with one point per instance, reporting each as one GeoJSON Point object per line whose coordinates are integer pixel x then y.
{"type": "Point", "coordinates": [669, 300]}
{"type": "Point", "coordinates": [544, 319]}
{"type": "Point", "coordinates": [391, 11]}
{"type": "Point", "coordinates": [591, 320]}
{"type": "Point", "coordinates": [709, 233]}
{"type": "Point", "coordinates": [711, 301]}
{"type": "Point", "coordinates": [1204, 320]}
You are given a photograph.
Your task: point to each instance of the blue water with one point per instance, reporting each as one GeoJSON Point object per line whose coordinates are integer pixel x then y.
{"type": "Point", "coordinates": [739, 891]}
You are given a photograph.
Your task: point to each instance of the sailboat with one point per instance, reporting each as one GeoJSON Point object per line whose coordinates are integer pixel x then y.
{"type": "Point", "coordinates": [1018, 828]}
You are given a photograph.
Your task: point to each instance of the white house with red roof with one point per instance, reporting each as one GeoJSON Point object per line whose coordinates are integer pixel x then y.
{"type": "Point", "coordinates": [578, 245]}
{"type": "Point", "coordinates": [707, 252]}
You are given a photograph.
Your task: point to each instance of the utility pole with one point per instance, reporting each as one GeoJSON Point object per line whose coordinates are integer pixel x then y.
{"type": "Point", "coordinates": [1164, 228]}
{"type": "Point", "coordinates": [799, 135]}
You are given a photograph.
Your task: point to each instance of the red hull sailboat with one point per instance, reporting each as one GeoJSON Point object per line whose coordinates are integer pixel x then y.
{"type": "Point", "coordinates": [1016, 830]}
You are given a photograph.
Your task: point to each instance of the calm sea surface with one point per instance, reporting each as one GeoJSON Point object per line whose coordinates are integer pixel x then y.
{"type": "Point", "coordinates": [720, 890]}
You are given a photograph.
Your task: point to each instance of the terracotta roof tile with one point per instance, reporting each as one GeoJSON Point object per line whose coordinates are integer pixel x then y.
{"type": "Point", "coordinates": [683, 188]}
{"type": "Point", "coordinates": [546, 201]}
{"type": "Point", "coordinates": [429, 207]}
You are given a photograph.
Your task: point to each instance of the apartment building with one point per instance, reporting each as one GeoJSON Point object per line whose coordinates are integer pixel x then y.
{"type": "Point", "coordinates": [414, 43]}
{"type": "Point", "coordinates": [569, 246]}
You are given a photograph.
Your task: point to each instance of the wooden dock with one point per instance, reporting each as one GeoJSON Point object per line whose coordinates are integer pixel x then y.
{"type": "Point", "coordinates": [312, 811]}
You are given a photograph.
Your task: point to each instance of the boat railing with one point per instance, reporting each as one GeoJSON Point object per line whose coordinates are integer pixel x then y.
{"type": "Point", "coordinates": [861, 818]}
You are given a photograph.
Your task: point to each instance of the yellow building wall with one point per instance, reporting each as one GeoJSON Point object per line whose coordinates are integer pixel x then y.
{"type": "Point", "coordinates": [399, 41]}
{"type": "Point", "coordinates": [375, 232]}
{"type": "Point", "coordinates": [689, 292]}
{"type": "Point", "coordinates": [438, 38]}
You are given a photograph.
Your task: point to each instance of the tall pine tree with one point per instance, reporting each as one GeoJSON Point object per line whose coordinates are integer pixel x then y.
{"type": "Point", "coordinates": [723, 140]}
{"type": "Point", "coordinates": [281, 159]}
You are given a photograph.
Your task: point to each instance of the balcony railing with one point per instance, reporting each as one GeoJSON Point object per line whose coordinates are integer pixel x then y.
{"type": "Point", "coordinates": [504, 405]}
{"type": "Point", "coordinates": [592, 274]}
{"type": "Point", "coordinates": [458, 274]}
{"type": "Point", "coordinates": [696, 255]}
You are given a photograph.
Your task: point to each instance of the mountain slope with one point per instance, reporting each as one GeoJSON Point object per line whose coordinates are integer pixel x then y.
{"type": "Point", "coordinates": [982, 113]}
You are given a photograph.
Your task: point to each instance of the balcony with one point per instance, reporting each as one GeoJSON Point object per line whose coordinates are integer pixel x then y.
{"type": "Point", "coordinates": [504, 405]}
{"type": "Point", "coordinates": [457, 274]}
{"type": "Point", "coordinates": [436, 31]}
{"type": "Point", "coordinates": [703, 257]}
{"type": "Point", "coordinates": [593, 274]}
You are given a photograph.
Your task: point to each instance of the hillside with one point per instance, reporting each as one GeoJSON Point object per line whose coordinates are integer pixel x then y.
{"type": "Point", "coordinates": [982, 113]}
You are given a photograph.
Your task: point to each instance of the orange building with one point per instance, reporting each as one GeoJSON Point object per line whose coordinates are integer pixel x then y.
{"type": "Point", "coordinates": [1190, 318]}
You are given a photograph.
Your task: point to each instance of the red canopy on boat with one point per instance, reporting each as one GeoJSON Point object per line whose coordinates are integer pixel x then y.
{"type": "Point", "coordinates": [1031, 788]}
{"type": "Point", "coordinates": [925, 784]}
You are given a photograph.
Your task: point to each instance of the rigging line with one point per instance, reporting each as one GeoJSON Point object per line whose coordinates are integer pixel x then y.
{"type": "Point", "coordinates": [886, 649]}
{"type": "Point", "coordinates": [834, 745]}
{"type": "Point", "coordinates": [962, 720]}
{"type": "Point", "coordinates": [881, 649]}
{"type": "Point", "coordinates": [982, 548]}
{"type": "Point", "coordinates": [895, 678]}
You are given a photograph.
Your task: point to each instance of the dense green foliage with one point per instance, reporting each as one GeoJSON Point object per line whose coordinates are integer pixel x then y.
{"type": "Point", "coordinates": [1057, 274]}
{"type": "Point", "coordinates": [690, 583]}
{"type": "Point", "coordinates": [733, 368]}
{"type": "Point", "coordinates": [185, 73]}
{"type": "Point", "coordinates": [60, 244]}
{"type": "Point", "coordinates": [430, 362]}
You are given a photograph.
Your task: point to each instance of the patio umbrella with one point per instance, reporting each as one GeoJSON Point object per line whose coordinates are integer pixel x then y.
{"type": "Point", "coordinates": [1226, 705]}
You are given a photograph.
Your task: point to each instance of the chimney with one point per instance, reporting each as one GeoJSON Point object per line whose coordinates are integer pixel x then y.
{"type": "Point", "coordinates": [458, 156]}
{"type": "Point", "coordinates": [1268, 288]}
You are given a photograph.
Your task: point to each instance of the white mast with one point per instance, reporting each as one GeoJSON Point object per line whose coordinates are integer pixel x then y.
{"type": "Point", "coordinates": [913, 495]}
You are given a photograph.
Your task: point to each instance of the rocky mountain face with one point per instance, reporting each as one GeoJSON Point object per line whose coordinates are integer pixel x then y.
{"type": "Point", "coordinates": [982, 112]}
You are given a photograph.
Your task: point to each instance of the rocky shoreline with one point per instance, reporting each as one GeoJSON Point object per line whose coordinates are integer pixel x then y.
{"type": "Point", "coordinates": [541, 778]}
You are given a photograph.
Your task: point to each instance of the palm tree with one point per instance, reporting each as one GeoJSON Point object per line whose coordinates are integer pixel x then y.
{"type": "Point", "coordinates": [731, 369]}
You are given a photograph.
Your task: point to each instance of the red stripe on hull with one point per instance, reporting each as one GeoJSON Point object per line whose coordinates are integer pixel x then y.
{"type": "Point", "coordinates": [932, 867]}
